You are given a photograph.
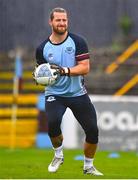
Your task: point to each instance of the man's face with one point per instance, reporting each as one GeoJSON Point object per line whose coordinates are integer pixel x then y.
{"type": "Point", "coordinates": [59, 23]}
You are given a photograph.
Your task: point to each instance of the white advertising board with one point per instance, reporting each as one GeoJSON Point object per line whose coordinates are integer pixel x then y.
{"type": "Point", "coordinates": [117, 122]}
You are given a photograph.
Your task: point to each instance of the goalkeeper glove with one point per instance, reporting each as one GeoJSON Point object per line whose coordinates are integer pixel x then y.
{"type": "Point", "coordinates": [63, 71]}
{"type": "Point", "coordinates": [33, 74]}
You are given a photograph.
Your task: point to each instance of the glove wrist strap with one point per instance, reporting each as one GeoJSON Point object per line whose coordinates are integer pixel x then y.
{"type": "Point", "coordinates": [67, 71]}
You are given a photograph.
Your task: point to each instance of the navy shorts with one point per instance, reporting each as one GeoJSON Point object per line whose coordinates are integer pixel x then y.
{"type": "Point", "coordinates": [82, 109]}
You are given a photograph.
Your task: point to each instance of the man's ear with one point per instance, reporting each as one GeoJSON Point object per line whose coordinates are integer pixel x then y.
{"type": "Point", "coordinates": [49, 21]}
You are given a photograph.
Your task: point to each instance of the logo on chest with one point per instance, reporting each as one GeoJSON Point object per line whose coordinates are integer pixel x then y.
{"type": "Point", "coordinates": [69, 50]}
{"type": "Point", "coordinates": [50, 56]}
{"type": "Point", "coordinates": [51, 98]}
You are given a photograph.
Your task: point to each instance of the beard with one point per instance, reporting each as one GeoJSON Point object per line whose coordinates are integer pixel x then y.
{"type": "Point", "coordinates": [60, 30]}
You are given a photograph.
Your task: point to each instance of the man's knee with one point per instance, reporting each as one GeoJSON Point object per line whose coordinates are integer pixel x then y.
{"type": "Point", "coordinates": [92, 135]}
{"type": "Point", "coordinates": [54, 132]}
{"type": "Point", "coordinates": [53, 129]}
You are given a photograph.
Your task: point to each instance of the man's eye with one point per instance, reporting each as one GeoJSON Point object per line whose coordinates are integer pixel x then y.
{"type": "Point", "coordinates": [59, 20]}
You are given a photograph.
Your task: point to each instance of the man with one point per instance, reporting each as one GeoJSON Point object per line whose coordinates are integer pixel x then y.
{"type": "Point", "coordinates": [68, 54]}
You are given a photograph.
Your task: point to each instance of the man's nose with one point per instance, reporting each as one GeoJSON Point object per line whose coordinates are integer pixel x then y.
{"type": "Point", "coordinates": [62, 22]}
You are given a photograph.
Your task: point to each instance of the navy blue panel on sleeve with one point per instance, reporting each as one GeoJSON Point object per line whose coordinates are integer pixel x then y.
{"type": "Point", "coordinates": [82, 51]}
{"type": "Point", "coordinates": [39, 53]}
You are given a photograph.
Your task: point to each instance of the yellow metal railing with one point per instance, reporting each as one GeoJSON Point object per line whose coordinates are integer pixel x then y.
{"type": "Point", "coordinates": [122, 58]}
{"type": "Point", "coordinates": [130, 84]}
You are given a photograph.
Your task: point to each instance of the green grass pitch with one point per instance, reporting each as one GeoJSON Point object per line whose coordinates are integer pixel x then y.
{"type": "Point", "coordinates": [32, 164]}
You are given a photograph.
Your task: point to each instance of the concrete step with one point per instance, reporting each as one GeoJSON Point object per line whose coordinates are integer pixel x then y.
{"type": "Point", "coordinates": [22, 99]}
{"type": "Point", "coordinates": [21, 112]}
{"type": "Point", "coordinates": [21, 135]}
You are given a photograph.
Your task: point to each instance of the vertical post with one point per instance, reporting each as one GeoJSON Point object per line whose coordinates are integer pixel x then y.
{"type": "Point", "coordinates": [16, 90]}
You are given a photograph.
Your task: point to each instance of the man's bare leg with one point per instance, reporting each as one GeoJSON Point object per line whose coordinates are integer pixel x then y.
{"type": "Point", "coordinates": [57, 141]}
{"type": "Point", "coordinates": [89, 152]}
{"type": "Point", "coordinates": [58, 157]}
